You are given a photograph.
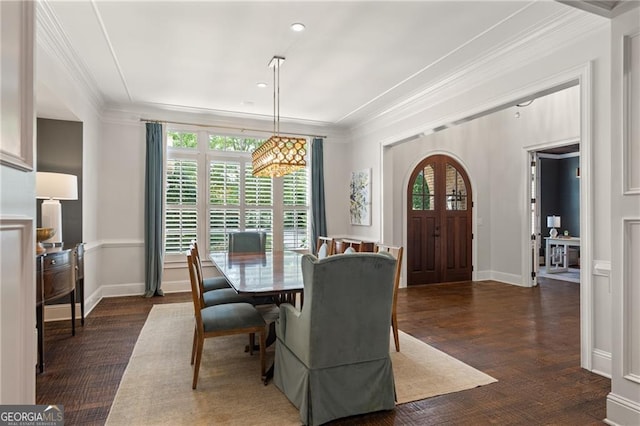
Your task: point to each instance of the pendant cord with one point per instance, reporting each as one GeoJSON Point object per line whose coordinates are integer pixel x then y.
{"type": "Point", "coordinates": [278, 100]}
{"type": "Point", "coordinates": [274, 100]}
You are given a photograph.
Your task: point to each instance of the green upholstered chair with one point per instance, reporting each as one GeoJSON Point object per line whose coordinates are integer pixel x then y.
{"type": "Point", "coordinates": [247, 242]}
{"type": "Point", "coordinates": [332, 357]}
{"type": "Point", "coordinates": [218, 296]}
{"type": "Point", "coordinates": [209, 283]}
{"type": "Point", "coordinates": [250, 242]}
{"type": "Point", "coordinates": [222, 320]}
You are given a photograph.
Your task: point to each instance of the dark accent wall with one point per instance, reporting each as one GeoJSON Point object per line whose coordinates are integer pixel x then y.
{"type": "Point", "coordinates": [60, 150]}
{"type": "Point", "coordinates": [560, 194]}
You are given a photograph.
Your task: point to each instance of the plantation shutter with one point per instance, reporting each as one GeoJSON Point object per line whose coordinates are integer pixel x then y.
{"type": "Point", "coordinates": [295, 209]}
{"type": "Point", "coordinates": [181, 200]}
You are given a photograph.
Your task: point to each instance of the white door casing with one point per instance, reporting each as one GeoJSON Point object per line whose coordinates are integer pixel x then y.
{"type": "Point", "coordinates": [623, 403]}
{"type": "Point", "coordinates": [17, 204]}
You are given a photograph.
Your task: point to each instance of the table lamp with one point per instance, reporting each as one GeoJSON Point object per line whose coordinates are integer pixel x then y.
{"type": "Point", "coordinates": [53, 187]}
{"type": "Point", "coordinates": [553, 222]}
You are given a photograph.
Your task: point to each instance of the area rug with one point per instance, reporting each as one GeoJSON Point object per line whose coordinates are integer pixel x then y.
{"type": "Point", "coordinates": [156, 386]}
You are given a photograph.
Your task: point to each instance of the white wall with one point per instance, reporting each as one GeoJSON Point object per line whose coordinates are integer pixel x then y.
{"type": "Point", "coordinates": [492, 149]}
{"type": "Point", "coordinates": [56, 78]}
{"type": "Point", "coordinates": [336, 174]}
{"type": "Point", "coordinates": [548, 119]}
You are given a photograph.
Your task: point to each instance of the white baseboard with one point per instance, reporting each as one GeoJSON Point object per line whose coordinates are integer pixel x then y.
{"type": "Point", "coordinates": [60, 312]}
{"type": "Point", "coordinates": [137, 289]}
{"type": "Point", "coordinates": [117, 290]}
{"type": "Point", "coordinates": [92, 301]}
{"type": "Point", "coordinates": [601, 363]}
{"type": "Point", "coordinates": [507, 278]}
{"type": "Point", "coordinates": [482, 276]}
{"type": "Point", "coordinates": [622, 411]}
{"type": "Point", "coordinates": [176, 286]}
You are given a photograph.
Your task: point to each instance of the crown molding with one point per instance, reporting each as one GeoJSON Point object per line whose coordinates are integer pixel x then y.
{"type": "Point", "coordinates": [134, 113]}
{"type": "Point", "coordinates": [560, 31]}
{"type": "Point", "coordinates": [53, 40]}
{"type": "Point", "coordinates": [156, 107]}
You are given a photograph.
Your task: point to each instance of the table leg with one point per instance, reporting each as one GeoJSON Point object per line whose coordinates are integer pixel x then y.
{"type": "Point", "coordinates": [271, 338]}
{"type": "Point", "coordinates": [72, 301]}
{"type": "Point", "coordinates": [268, 375]}
{"type": "Point", "coordinates": [40, 326]}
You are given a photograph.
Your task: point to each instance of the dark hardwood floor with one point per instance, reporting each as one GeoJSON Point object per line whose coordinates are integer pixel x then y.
{"type": "Point", "coordinates": [527, 338]}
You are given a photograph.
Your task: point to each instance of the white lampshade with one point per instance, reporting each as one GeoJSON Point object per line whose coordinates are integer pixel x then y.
{"type": "Point", "coordinates": [53, 187]}
{"type": "Point", "coordinates": [56, 186]}
{"type": "Point", "coordinates": [553, 221]}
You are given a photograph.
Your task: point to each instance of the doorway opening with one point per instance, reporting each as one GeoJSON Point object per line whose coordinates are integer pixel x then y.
{"type": "Point", "coordinates": [555, 213]}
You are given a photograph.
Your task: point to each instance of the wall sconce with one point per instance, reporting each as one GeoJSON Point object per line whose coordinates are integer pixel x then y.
{"type": "Point", "coordinates": [53, 187]}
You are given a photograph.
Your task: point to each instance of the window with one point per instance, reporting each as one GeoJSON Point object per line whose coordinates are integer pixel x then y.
{"type": "Point", "coordinates": [423, 195]}
{"type": "Point", "coordinates": [295, 210]}
{"type": "Point", "coordinates": [211, 191]}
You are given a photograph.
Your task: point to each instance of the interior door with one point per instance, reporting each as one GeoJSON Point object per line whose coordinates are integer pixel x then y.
{"type": "Point", "coordinates": [439, 222]}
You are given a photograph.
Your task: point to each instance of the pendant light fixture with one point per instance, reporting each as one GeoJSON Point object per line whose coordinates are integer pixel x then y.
{"type": "Point", "coordinates": [278, 155]}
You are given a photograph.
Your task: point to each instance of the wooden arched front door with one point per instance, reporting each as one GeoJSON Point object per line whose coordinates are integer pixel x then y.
{"type": "Point", "coordinates": [439, 222]}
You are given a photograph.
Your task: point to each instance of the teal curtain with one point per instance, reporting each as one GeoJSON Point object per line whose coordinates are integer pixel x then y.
{"type": "Point", "coordinates": [153, 212]}
{"type": "Point", "coordinates": [318, 218]}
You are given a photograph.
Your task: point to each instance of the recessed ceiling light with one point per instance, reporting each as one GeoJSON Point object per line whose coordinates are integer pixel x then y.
{"type": "Point", "coordinates": [297, 27]}
{"type": "Point", "coordinates": [261, 85]}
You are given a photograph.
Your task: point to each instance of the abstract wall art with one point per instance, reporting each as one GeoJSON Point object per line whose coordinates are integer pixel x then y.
{"type": "Point", "coordinates": [360, 197]}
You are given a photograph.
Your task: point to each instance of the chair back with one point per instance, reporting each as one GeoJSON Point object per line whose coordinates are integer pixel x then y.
{"type": "Point", "coordinates": [396, 252]}
{"type": "Point", "coordinates": [325, 246]}
{"type": "Point", "coordinates": [197, 266]}
{"type": "Point", "coordinates": [342, 245]}
{"type": "Point", "coordinates": [347, 307]}
{"type": "Point", "coordinates": [196, 292]}
{"type": "Point", "coordinates": [247, 242]}
{"type": "Point", "coordinates": [194, 247]}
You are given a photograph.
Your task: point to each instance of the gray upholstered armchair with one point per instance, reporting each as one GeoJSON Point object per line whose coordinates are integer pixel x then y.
{"type": "Point", "coordinates": [332, 357]}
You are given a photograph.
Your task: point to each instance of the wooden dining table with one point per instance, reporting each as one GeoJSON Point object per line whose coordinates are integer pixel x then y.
{"type": "Point", "coordinates": [275, 274]}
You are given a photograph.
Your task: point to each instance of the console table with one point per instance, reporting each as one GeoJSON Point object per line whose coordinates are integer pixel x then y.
{"type": "Point", "coordinates": [557, 253]}
{"type": "Point", "coordinates": [57, 272]}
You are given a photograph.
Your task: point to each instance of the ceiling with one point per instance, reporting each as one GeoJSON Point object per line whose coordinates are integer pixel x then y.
{"type": "Point", "coordinates": [353, 60]}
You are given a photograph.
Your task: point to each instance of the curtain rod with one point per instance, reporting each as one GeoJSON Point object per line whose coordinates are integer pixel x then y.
{"type": "Point", "coordinates": [242, 129]}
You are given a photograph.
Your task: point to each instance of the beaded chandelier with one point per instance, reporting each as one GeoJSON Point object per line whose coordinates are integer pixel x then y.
{"type": "Point", "coordinates": [279, 155]}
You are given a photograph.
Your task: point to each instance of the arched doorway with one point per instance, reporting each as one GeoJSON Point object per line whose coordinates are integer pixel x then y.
{"type": "Point", "coordinates": [439, 236]}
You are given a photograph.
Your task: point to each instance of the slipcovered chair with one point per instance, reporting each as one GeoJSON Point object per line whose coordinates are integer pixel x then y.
{"type": "Point", "coordinates": [325, 246]}
{"type": "Point", "coordinates": [332, 357]}
{"type": "Point", "coordinates": [350, 246]}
